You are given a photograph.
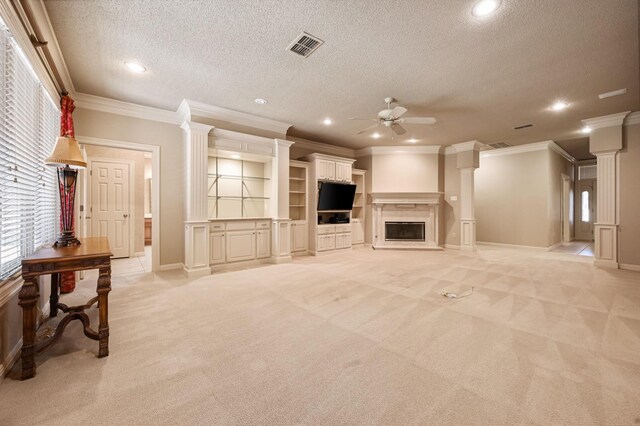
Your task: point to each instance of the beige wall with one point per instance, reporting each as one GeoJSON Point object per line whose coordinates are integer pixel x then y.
{"type": "Point", "coordinates": [169, 138]}
{"type": "Point", "coordinates": [629, 234]}
{"type": "Point", "coordinates": [451, 208]}
{"type": "Point", "coordinates": [511, 193]}
{"type": "Point", "coordinates": [100, 152]}
{"type": "Point", "coordinates": [405, 173]}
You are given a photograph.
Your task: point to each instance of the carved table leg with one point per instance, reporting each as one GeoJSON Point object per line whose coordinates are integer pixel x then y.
{"type": "Point", "coordinates": [28, 299]}
{"type": "Point", "coordinates": [104, 287]}
{"type": "Point", "coordinates": [55, 295]}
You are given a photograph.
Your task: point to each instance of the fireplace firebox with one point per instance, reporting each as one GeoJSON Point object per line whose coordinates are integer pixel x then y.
{"type": "Point", "coordinates": [404, 231]}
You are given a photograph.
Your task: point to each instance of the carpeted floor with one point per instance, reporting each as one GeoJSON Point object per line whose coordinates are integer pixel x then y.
{"type": "Point", "coordinates": [360, 337]}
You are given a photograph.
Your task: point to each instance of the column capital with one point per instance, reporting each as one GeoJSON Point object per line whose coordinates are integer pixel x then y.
{"type": "Point", "coordinates": [284, 143]}
{"type": "Point", "coordinates": [468, 146]}
{"type": "Point", "coordinates": [606, 121]}
{"type": "Point", "coordinates": [193, 127]}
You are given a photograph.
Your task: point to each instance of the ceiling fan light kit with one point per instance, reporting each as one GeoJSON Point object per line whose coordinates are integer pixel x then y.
{"type": "Point", "coordinates": [391, 118]}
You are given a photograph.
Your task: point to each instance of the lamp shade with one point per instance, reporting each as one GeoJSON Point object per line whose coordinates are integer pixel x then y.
{"type": "Point", "coordinates": [66, 151]}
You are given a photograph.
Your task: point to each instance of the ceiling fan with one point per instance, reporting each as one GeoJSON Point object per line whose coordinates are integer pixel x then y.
{"type": "Point", "coordinates": [391, 118]}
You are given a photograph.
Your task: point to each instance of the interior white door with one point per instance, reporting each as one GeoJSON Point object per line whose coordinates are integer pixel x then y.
{"type": "Point", "coordinates": [110, 204]}
{"type": "Point", "coordinates": [585, 209]}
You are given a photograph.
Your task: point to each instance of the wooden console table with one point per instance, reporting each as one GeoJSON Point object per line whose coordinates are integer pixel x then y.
{"type": "Point", "coordinates": [92, 253]}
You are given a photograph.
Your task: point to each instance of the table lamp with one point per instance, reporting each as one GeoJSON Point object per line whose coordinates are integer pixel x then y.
{"type": "Point", "coordinates": [67, 152]}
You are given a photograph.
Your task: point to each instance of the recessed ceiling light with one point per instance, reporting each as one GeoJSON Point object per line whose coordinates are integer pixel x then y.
{"type": "Point", "coordinates": [376, 135]}
{"type": "Point", "coordinates": [412, 140]}
{"type": "Point", "coordinates": [586, 130]}
{"type": "Point", "coordinates": [327, 122]}
{"type": "Point", "coordinates": [135, 67]}
{"type": "Point", "coordinates": [559, 106]}
{"type": "Point", "coordinates": [485, 8]}
{"type": "Point", "coordinates": [235, 156]}
{"type": "Point", "coordinates": [260, 101]}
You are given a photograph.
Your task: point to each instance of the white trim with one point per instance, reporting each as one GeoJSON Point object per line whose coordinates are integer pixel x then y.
{"type": "Point", "coordinates": [155, 186]}
{"type": "Point", "coordinates": [468, 146]}
{"type": "Point", "coordinates": [450, 150]}
{"type": "Point", "coordinates": [452, 246]}
{"type": "Point", "coordinates": [189, 108]}
{"type": "Point", "coordinates": [112, 106]}
{"type": "Point", "coordinates": [422, 149]}
{"type": "Point", "coordinates": [41, 17]}
{"type": "Point", "coordinates": [132, 194]}
{"type": "Point", "coordinates": [284, 143]}
{"type": "Point", "coordinates": [609, 264]}
{"type": "Point", "coordinates": [318, 146]}
{"type": "Point", "coordinates": [530, 147]}
{"type": "Point", "coordinates": [632, 119]}
{"type": "Point", "coordinates": [7, 364]}
{"type": "Point", "coordinates": [628, 267]}
{"type": "Point", "coordinates": [139, 254]}
{"type": "Point", "coordinates": [316, 156]}
{"type": "Point", "coordinates": [12, 20]}
{"type": "Point", "coordinates": [606, 121]}
{"type": "Point", "coordinates": [171, 267]}
{"type": "Point", "coordinates": [558, 149]}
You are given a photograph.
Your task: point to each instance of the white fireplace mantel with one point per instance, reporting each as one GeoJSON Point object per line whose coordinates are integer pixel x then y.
{"type": "Point", "coordinates": [406, 207]}
{"type": "Point", "coordinates": [406, 198]}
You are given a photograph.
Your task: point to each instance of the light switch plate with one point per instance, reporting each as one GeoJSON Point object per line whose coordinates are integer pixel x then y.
{"type": "Point", "coordinates": [454, 198]}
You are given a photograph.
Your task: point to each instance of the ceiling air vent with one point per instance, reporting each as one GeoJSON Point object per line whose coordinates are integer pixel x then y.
{"type": "Point", "coordinates": [499, 145]}
{"type": "Point", "coordinates": [305, 44]}
{"type": "Point", "coordinates": [524, 126]}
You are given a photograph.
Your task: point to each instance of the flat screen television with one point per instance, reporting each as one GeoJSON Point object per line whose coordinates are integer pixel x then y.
{"type": "Point", "coordinates": [336, 196]}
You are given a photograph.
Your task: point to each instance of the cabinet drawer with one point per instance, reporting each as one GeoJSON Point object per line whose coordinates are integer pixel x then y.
{"type": "Point", "coordinates": [343, 228]}
{"type": "Point", "coordinates": [216, 226]}
{"type": "Point", "coordinates": [326, 229]}
{"type": "Point", "coordinates": [241, 225]}
{"type": "Point", "coordinates": [263, 224]}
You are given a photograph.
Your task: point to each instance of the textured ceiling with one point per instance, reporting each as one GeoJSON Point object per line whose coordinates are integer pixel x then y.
{"type": "Point", "coordinates": [479, 78]}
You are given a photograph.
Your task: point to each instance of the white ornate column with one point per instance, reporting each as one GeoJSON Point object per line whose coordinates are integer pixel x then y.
{"type": "Point", "coordinates": [468, 160]}
{"type": "Point", "coordinates": [281, 230]}
{"type": "Point", "coordinates": [196, 220]}
{"type": "Point", "coordinates": [605, 142]}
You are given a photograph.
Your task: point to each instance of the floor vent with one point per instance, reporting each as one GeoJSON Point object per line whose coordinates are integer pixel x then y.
{"type": "Point", "coordinates": [524, 126]}
{"type": "Point", "coordinates": [305, 44]}
{"type": "Point", "coordinates": [499, 145]}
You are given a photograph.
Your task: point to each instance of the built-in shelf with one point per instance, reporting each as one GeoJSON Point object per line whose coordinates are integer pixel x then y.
{"type": "Point", "coordinates": [296, 192]}
{"type": "Point", "coordinates": [238, 177]}
{"type": "Point", "coordinates": [225, 197]}
{"type": "Point", "coordinates": [296, 178]}
{"type": "Point", "coordinates": [297, 205]}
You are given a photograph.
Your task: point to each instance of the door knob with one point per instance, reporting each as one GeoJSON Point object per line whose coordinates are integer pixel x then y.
{"type": "Point", "coordinates": [125, 215]}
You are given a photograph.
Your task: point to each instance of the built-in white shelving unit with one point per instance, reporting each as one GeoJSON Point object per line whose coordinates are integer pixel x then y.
{"type": "Point", "coordinates": [359, 204]}
{"type": "Point", "coordinates": [299, 206]}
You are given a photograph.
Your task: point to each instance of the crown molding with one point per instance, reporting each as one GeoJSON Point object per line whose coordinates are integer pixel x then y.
{"type": "Point", "coordinates": [530, 147]}
{"type": "Point", "coordinates": [450, 150]}
{"type": "Point", "coordinates": [377, 150]}
{"type": "Point", "coordinates": [230, 135]}
{"type": "Point", "coordinates": [191, 126]}
{"type": "Point", "coordinates": [284, 143]}
{"type": "Point", "coordinates": [189, 108]}
{"type": "Point", "coordinates": [606, 121]}
{"type": "Point", "coordinates": [632, 119]}
{"type": "Point", "coordinates": [468, 146]}
{"type": "Point", "coordinates": [316, 156]}
{"type": "Point", "coordinates": [112, 106]}
{"type": "Point", "coordinates": [338, 151]}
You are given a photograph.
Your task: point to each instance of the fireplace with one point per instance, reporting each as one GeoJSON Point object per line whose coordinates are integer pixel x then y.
{"type": "Point", "coordinates": [404, 231]}
{"type": "Point", "coordinates": [406, 220]}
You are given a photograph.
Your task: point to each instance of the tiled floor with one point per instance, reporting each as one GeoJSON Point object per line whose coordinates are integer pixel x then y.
{"type": "Point", "coordinates": [581, 248]}
{"type": "Point", "coordinates": [127, 265]}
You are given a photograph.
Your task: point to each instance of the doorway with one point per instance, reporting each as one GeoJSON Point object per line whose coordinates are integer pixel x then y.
{"type": "Point", "coordinates": [566, 208]}
{"type": "Point", "coordinates": [585, 211]}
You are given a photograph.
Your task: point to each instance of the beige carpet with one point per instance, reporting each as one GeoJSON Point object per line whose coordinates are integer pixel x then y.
{"type": "Point", "coordinates": [361, 337]}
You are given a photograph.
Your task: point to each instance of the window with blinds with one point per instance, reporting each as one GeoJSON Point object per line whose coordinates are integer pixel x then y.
{"type": "Point", "coordinates": [29, 121]}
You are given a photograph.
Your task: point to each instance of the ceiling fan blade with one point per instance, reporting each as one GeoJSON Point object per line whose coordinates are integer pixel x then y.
{"type": "Point", "coordinates": [398, 111]}
{"type": "Point", "coordinates": [418, 120]}
{"type": "Point", "coordinates": [398, 129]}
{"type": "Point", "coordinates": [368, 128]}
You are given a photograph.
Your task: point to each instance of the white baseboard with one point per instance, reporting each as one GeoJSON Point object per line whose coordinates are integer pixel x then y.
{"type": "Point", "coordinates": [171, 267]}
{"type": "Point", "coordinates": [628, 267]}
{"type": "Point", "coordinates": [452, 246]}
{"type": "Point", "coordinates": [8, 363]}
{"type": "Point", "coordinates": [486, 243]}
{"type": "Point", "coordinates": [554, 246]}
{"type": "Point", "coordinates": [139, 254]}
{"type": "Point", "coordinates": [197, 273]}
{"type": "Point", "coordinates": [610, 264]}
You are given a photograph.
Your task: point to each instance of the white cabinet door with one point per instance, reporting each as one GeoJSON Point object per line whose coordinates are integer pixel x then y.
{"type": "Point", "coordinates": [339, 241]}
{"type": "Point", "coordinates": [340, 177]}
{"type": "Point", "coordinates": [322, 242]}
{"type": "Point", "coordinates": [241, 245]}
{"type": "Point", "coordinates": [347, 173]}
{"type": "Point", "coordinates": [331, 170]}
{"type": "Point", "coordinates": [331, 242]}
{"type": "Point", "coordinates": [263, 244]}
{"type": "Point", "coordinates": [346, 240]}
{"type": "Point", "coordinates": [321, 169]}
{"type": "Point", "coordinates": [298, 237]}
{"type": "Point", "coordinates": [216, 248]}
{"type": "Point", "coordinates": [357, 232]}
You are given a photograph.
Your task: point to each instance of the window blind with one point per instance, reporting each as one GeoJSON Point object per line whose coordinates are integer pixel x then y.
{"type": "Point", "coordinates": [28, 129]}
